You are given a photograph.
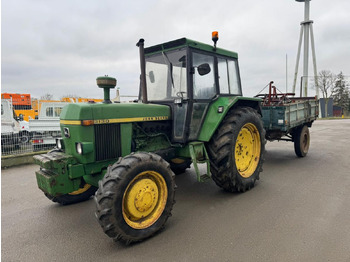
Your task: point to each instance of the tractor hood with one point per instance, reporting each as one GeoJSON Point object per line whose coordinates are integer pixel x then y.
{"type": "Point", "coordinates": [74, 114]}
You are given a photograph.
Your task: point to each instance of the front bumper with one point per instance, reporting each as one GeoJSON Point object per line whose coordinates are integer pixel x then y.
{"type": "Point", "coordinates": [55, 175]}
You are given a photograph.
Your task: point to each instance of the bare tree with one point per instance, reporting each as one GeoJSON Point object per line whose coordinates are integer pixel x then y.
{"type": "Point", "coordinates": [70, 95]}
{"type": "Point", "coordinates": [326, 83]}
{"type": "Point", "coordinates": [47, 96]}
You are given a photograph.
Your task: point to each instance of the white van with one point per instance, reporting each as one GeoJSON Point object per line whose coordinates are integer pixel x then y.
{"type": "Point", "coordinates": [10, 127]}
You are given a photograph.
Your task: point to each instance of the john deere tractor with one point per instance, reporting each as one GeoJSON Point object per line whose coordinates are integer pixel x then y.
{"type": "Point", "coordinates": [190, 111]}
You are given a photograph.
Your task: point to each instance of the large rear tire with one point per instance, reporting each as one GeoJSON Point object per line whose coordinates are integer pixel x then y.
{"type": "Point", "coordinates": [82, 194]}
{"type": "Point", "coordinates": [236, 150]}
{"type": "Point", "coordinates": [135, 197]}
{"type": "Point", "coordinates": [301, 141]}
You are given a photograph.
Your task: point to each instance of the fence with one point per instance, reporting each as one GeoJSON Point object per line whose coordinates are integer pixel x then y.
{"type": "Point", "coordinates": [14, 144]}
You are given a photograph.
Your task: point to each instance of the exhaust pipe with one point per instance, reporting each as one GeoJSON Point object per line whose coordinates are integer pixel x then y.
{"type": "Point", "coordinates": [140, 45]}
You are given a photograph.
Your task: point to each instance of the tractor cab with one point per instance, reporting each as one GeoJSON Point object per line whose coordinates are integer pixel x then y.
{"type": "Point", "coordinates": [188, 76]}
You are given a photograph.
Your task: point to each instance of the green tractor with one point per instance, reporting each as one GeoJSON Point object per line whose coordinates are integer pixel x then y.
{"type": "Point", "coordinates": [190, 111]}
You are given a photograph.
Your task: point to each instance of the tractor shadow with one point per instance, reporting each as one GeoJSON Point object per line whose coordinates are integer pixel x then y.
{"type": "Point", "coordinates": [196, 197]}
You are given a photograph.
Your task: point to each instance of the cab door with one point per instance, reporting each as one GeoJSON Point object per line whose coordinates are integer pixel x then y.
{"type": "Point", "coordinates": [189, 114]}
{"type": "Point", "coordinates": [204, 90]}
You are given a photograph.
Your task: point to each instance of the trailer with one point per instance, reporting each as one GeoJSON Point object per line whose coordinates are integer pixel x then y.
{"type": "Point", "coordinates": [288, 118]}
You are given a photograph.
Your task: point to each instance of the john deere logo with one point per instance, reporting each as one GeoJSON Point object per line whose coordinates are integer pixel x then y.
{"type": "Point", "coordinates": [155, 118]}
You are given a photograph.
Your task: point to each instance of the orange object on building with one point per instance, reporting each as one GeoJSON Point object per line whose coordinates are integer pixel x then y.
{"type": "Point", "coordinates": [19, 101]}
{"type": "Point", "coordinates": [79, 100]}
{"type": "Point", "coordinates": [28, 109]}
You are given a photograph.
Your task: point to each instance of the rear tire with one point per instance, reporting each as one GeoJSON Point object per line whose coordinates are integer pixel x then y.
{"type": "Point", "coordinates": [236, 150]}
{"type": "Point", "coordinates": [135, 197]}
{"type": "Point", "coordinates": [301, 141]}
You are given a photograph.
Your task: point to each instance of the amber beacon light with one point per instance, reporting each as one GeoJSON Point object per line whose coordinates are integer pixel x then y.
{"type": "Point", "coordinates": [215, 37]}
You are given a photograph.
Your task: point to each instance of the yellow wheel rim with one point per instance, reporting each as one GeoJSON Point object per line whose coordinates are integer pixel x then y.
{"type": "Point", "coordinates": [247, 150]}
{"type": "Point", "coordinates": [144, 199]}
{"type": "Point", "coordinates": [80, 190]}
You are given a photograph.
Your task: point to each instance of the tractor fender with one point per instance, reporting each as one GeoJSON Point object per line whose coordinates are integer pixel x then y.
{"type": "Point", "coordinates": [219, 108]}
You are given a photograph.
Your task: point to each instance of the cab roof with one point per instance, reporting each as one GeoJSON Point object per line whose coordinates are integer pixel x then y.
{"type": "Point", "coordinates": [183, 42]}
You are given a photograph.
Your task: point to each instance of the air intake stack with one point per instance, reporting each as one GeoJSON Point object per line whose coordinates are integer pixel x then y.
{"type": "Point", "coordinates": [106, 83]}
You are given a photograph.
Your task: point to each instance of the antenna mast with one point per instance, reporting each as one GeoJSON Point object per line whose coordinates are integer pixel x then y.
{"type": "Point", "coordinates": [306, 31]}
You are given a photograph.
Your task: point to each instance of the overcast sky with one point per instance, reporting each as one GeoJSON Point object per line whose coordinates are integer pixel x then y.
{"type": "Point", "coordinates": [60, 47]}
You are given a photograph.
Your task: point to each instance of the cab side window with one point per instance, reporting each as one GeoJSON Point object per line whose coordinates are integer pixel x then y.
{"type": "Point", "coordinates": [223, 76]}
{"type": "Point", "coordinates": [235, 88]}
{"type": "Point", "coordinates": [228, 77]}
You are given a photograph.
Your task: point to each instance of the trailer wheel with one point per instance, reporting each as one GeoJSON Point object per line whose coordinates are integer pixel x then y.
{"type": "Point", "coordinates": [179, 165]}
{"type": "Point", "coordinates": [82, 194]}
{"type": "Point", "coordinates": [135, 197]}
{"type": "Point", "coordinates": [236, 150]}
{"type": "Point", "coordinates": [301, 141]}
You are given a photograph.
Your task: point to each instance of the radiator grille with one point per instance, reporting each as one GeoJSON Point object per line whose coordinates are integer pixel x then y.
{"type": "Point", "coordinates": [107, 141]}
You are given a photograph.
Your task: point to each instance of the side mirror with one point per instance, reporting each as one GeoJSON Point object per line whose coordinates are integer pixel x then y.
{"type": "Point", "coordinates": [151, 76]}
{"type": "Point", "coordinates": [203, 69]}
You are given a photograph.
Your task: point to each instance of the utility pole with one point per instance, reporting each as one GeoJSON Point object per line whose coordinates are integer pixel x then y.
{"type": "Point", "coordinates": [306, 32]}
{"type": "Point", "coordinates": [286, 73]}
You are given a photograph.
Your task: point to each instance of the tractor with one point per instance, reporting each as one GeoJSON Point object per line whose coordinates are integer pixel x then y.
{"type": "Point", "coordinates": [190, 111]}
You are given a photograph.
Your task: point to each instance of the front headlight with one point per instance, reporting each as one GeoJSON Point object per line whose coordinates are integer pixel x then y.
{"type": "Point", "coordinates": [84, 148]}
{"type": "Point", "coordinates": [79, 148]}
{"type": "Point", "coordinates": [59, 143]}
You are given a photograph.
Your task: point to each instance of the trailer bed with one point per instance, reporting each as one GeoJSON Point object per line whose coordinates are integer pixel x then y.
{"type": "Point", "coordinates": [287, 116]}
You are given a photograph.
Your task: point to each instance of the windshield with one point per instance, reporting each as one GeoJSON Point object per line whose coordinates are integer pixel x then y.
{"type": "Point", "coordinates": [166, 75]}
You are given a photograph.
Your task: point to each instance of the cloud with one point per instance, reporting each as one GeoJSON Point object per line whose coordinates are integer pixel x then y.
{"type": "Point", "coordinates": [60, 47]}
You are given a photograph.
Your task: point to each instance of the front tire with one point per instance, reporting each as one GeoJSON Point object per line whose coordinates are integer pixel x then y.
{"type": "Point", "coordinates": [82, 194]}
{"type": "Point", "coordinates": [236, 150]}
{"type": "Point", "coordinates": [135, 198]}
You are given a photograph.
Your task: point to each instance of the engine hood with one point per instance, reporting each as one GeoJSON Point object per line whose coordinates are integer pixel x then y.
{"type": "Point", "coordinates": [114, 113]}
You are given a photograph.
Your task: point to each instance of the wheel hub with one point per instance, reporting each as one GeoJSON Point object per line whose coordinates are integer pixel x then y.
{"type": "Point", "coordinates": [244, 146]}
{"type": "Point", "coordinates": [247, 150]}
{"type": "Point", "coordinates": [144, 199]}
{"type": "Point", "coordinates": [147, 195]}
